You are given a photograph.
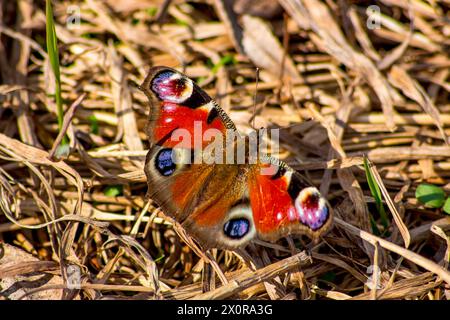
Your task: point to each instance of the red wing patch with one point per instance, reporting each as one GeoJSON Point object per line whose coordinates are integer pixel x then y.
{"type": "Point", "coordinates": [181, 111]}
{"type": "Point", "coordinates": [271, 204]}
{"type": "Point", "coordinates": [284, 203]}
{"type": "Point", "coordinates": [177, 123]}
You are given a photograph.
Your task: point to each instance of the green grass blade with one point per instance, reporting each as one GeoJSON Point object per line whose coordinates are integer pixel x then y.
{"type": "Point", "coordinates": [52, 47]}
{"type": "Point", "coordinates": [376, 193]}
{"type": "Point", "coordinates": [53, 54]}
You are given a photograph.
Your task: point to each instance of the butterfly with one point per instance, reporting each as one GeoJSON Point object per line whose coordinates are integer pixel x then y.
{"type": "Point", "coordinates": [222, 205]}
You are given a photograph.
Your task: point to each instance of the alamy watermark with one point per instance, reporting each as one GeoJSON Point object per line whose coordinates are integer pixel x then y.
{"type": "Point", "coordinates": [374, 280]}
{"type": "Point", "coordinates": [213, 146]}
{"type": "Point", "coordinates": [73, 17]}
{"type": "Point", "coordinates": [373, 17]}
{"type": "Point", "coordinates": [73, 277]}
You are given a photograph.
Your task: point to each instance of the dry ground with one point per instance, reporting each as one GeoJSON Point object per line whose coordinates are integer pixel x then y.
{"type": "Point", "coordinates": [340, 81]}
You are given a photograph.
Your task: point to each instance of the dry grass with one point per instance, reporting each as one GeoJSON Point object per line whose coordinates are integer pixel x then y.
{"type": "Point", "coordinates": [338, 89]}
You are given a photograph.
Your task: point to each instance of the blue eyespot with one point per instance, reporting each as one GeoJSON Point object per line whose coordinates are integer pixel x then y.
{"type": "Point", "coordinates": [164, 162]}
{"type": "Point", "coordinates": [236, 228]}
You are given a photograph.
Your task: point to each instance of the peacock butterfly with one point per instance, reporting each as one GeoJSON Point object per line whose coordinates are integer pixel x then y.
{"type": "Point", "coordinates": [222, 204]}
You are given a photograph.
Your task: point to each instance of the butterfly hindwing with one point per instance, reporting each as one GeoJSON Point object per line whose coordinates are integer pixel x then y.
{"type": "Point", "coordinates": [284, 202]}
{"type": "Point", "coordinates": [223, 218]}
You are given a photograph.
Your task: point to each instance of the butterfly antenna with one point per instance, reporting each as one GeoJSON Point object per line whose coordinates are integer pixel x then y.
{"type": "Point", "coordinates": [254, 98]}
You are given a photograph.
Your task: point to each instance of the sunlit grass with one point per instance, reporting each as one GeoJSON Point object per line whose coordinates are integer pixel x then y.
{"type": "Point", "coordinates": [52, 50]}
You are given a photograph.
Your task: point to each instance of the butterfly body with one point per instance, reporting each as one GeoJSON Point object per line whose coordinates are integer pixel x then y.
{"type": "Point", "coordinates": [220, 195]}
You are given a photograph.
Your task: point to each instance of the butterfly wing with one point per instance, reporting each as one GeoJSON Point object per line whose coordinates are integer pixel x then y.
{"type": "Point", "coordinates": [222, 205]}
{"type": "Point", "coordinates": [177, 103]}
{"type": "Point", "coordinates": [202, 197]}
{"type": "Point", "coordinates": [283, 202]}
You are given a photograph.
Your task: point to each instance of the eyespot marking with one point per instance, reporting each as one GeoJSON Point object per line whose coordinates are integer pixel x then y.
{"type": "Point", "coordinates": [311, 207]}
{"type": "Point", "coordinates": [164, 162]}
{"type": "Point", "coordinates": [172, 87]}
{"type": "Point", "coordinates": [236, 228]}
